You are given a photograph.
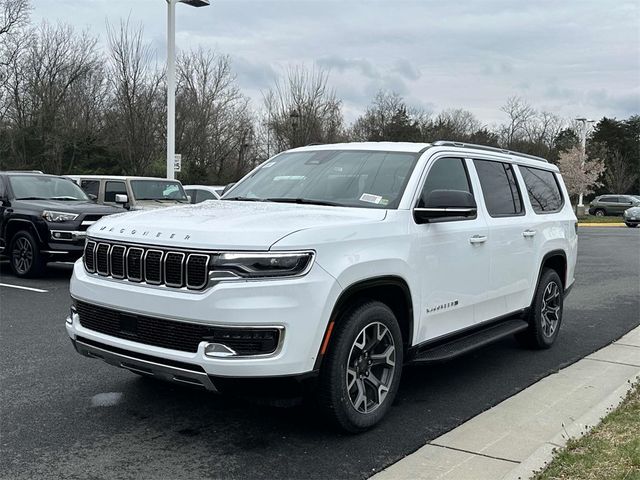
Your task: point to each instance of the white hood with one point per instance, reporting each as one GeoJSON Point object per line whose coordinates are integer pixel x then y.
{"type": "Point", "coordinates": [226, 224]}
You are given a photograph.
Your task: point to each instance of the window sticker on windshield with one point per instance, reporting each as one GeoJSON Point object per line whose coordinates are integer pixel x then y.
{"type": "Point", "coordinates": [369, 198]}
{"type": "Point", "coordinates": [384, 201]}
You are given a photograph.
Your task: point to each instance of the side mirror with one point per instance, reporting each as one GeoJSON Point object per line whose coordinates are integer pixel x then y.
{"type": "Point", "coordinates": [446, 206]}
{"type": "Point", "coordinates": [227, 188]}
{"type": "Point", "coordinates": [188, 198]}
{"type": "Point", "coordinates": [92, 197]}
{"type": "Point", "coordinates": [4, 201]}
{"type": "Point", "coordinates": [121, 198]}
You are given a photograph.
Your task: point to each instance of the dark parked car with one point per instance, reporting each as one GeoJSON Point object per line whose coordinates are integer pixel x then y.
{"type": "Point", "coordinates": [44, 218]}
{"type": "Point", "coordinates": [631, 217]}
{"type": "Point", "coordinates": [612, 204]}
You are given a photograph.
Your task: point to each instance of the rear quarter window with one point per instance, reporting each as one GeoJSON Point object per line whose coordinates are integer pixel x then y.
{"type": "Point", "coordinates": [543, 189]}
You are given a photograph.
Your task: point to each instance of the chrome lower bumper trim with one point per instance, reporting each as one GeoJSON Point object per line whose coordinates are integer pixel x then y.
{"type": "Point", "coordinates": [67, 235]}
{"type": "Point", "coordinates": [146, 367]}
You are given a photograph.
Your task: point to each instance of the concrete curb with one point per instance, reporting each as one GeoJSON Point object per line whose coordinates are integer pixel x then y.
{"type": "Point", "coordinates": [545, 454]}
{"type": "Point", "coordinates": [519, 436]}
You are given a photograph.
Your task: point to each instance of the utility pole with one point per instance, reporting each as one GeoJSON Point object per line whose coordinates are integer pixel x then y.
{"type": "Point", "coordinates": [171, 79]}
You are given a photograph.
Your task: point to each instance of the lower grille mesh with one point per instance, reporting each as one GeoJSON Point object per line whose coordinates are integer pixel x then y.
{"type": "Point", "coordinates": [175, 335]}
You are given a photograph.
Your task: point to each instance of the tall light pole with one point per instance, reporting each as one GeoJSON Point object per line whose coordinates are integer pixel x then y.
{"type": "Point", "coordinates": [171, 79]}
{"type": "Point", "coordinates": [585, 126]}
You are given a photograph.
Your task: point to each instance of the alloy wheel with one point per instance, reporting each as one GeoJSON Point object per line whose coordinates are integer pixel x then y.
{"type": "Point", "coordinates": [550, 312]}
{"type": "Point", "coordinates": [370, 367]}
{"type": "Point", "coordinates": [22, 255]}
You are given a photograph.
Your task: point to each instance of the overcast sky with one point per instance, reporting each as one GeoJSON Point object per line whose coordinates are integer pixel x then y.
{"type": "Point", "coordinates": [575, 58]}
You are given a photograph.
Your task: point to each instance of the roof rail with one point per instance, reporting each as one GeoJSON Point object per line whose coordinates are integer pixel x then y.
{"type": "Point", "coordinates": [448, 143]}
{"type": "Point", "coordinates": [24, 171]}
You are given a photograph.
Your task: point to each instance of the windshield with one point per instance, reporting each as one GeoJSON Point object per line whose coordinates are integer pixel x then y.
{"type": "Point", "coordinates": [158, 190]}
{"type": "Point", "coordinates": [36, 187]}
{"type": "Point", "coordinates": [344, 178]}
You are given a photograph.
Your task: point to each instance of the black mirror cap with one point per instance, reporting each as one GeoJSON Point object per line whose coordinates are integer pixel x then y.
{"type": "Point", "coordinates": [449, 199]}
{"type": "Point", "coordinates": [446, 206]}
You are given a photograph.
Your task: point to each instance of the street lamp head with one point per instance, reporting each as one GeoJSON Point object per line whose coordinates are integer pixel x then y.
{"type": "Point", "coordinates": [196, 3]}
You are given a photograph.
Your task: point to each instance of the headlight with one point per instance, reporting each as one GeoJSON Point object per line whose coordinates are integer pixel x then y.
{"type": "Point", "coordinates": [51, 216]}
{"type": "Point", "coordinates": [262, 265]}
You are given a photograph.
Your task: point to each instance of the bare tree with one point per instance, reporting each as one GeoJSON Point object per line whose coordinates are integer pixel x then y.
{"type": "Point", "coordinates": [519, 114]}
{"type": "Point", "coordinates": [579, 177]}
{"type": "Point", "coordinates": [134, 121]}
{"type": "Point", "coordinates": [302, 109]}
{"type": "Point", "coordinates": [214, 124]}
{"type": "Point", "coordinates": [14, 15]}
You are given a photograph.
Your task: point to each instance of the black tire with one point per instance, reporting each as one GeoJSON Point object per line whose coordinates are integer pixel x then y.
{"type": "Point", "coordinates": [24, 255]}
{"type": "Point", "coordinates": [335, 396]}
{"type": "Point", "coordinates": [544, 326]}
{"type": "Point", "coordinates": [631, 225]}
{"type": "Point", "coordinates": [599, 212]}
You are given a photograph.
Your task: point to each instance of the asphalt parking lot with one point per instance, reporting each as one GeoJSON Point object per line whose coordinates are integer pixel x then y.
{"type": "Point", "coordinates": [66, 416]}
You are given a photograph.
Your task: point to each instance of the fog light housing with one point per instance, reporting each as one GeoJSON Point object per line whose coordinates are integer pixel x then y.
{"type": "Point", "coordinates": [73, 316]}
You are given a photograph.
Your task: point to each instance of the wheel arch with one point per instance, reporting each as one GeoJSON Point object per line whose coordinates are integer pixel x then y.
{"type": "Point", "coordinates": [555, 260]}
{"type": "Point", "coordinates": [14, 225]}
{"type": "Point", "coordinates": [392, 290]}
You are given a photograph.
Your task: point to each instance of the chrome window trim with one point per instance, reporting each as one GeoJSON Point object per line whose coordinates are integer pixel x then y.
{"type": "Point", "coordinates": [144, 266]}
{"type": "Point", "coordinates": [124, 262]}
{"type": "Point", "coordinates": [129, 276]}
{"type": "Point", "coordinates": [104, 274]}
{"type": "Point", "coordinates": [175, 285]}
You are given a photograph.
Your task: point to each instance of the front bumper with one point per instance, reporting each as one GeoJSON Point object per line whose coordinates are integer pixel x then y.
{"type": "Point", "coordinates": [301, 306]}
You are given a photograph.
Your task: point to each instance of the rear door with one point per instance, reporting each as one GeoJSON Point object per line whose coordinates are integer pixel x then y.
{"type": "Point", "coordinates": [510, 239]}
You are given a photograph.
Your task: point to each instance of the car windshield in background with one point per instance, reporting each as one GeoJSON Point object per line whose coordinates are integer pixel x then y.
{"type": "Point", "coordinates": [349, 178]}
{"type": "Point", "coordinates": [158, 190]}
{"type": "Point", "coordinates": [35, 187]}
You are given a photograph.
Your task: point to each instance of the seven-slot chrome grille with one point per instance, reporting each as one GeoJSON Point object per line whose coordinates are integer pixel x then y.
{"type": "Point", "coordinates": [151, 265]}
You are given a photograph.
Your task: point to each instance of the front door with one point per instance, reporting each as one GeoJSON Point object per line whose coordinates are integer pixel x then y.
{"type": "Point", "coordinates": [450, 258]}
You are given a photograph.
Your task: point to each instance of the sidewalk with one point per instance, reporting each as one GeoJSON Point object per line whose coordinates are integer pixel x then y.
{"type": "Point", "coordinates": [517, 437]}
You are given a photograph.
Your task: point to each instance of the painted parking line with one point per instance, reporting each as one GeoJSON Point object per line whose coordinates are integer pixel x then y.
{"type": "Point", "coordinates": [20, 287]}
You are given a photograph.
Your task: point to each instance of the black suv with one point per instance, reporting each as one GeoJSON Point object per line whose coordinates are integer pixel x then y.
{"type": "Point", "coordinates": [44, 218]}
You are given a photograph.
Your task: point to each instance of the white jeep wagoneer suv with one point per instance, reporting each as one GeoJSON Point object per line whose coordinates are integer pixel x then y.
{"type": "Point", "coordinates": [330, 267]}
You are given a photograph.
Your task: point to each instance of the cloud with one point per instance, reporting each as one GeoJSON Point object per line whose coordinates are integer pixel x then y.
{"type": "Point", "coordinates": [576, 57]}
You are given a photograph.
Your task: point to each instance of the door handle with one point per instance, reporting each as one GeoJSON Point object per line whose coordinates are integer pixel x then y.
{"type": "Point", "coordinates": [529, 233]}
{"type": "Point", "coordinates": [478, 239]}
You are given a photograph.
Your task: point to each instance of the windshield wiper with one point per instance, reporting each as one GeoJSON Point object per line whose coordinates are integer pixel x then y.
{"type": "Point", "coordinates": [306, 201]}
{"type": "Point", "coordinates": [65, 198]}
{"type": "Point", "coordinates": [246, 199]}
{"type": "Point", "coordinates": [32, 198]}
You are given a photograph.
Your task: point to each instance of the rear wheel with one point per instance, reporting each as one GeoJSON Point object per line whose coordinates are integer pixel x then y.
{"type": "Point", "coordinates": [361, 371]}
{"type": "Point", "coordinates": [545, 314]}
{"type": "Point", "coordinates": [25, 258]}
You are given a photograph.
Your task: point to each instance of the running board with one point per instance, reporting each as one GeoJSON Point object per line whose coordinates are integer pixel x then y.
{"type": "Point", "coordinates": [467, 343]}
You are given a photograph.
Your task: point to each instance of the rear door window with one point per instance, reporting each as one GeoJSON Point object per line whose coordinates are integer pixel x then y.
{"type": "Point", "coordinates": [499, 188]}
{"type": "Point", "coordinates": [542, 188]}
{"type": "Point", "coordinates": [112, 189]}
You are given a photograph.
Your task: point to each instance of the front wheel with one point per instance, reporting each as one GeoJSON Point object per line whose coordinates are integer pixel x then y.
{"type": "Point", "coordinates": [361, 372]}
{"type": "Point", "coordinates": [631, 225]}
{"type": "Point", "coordinates": [26, 259]}
{"type": "Point", "coordinates": [599, 212]}
{"type": "Point", "coordinates": [545, 314]}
